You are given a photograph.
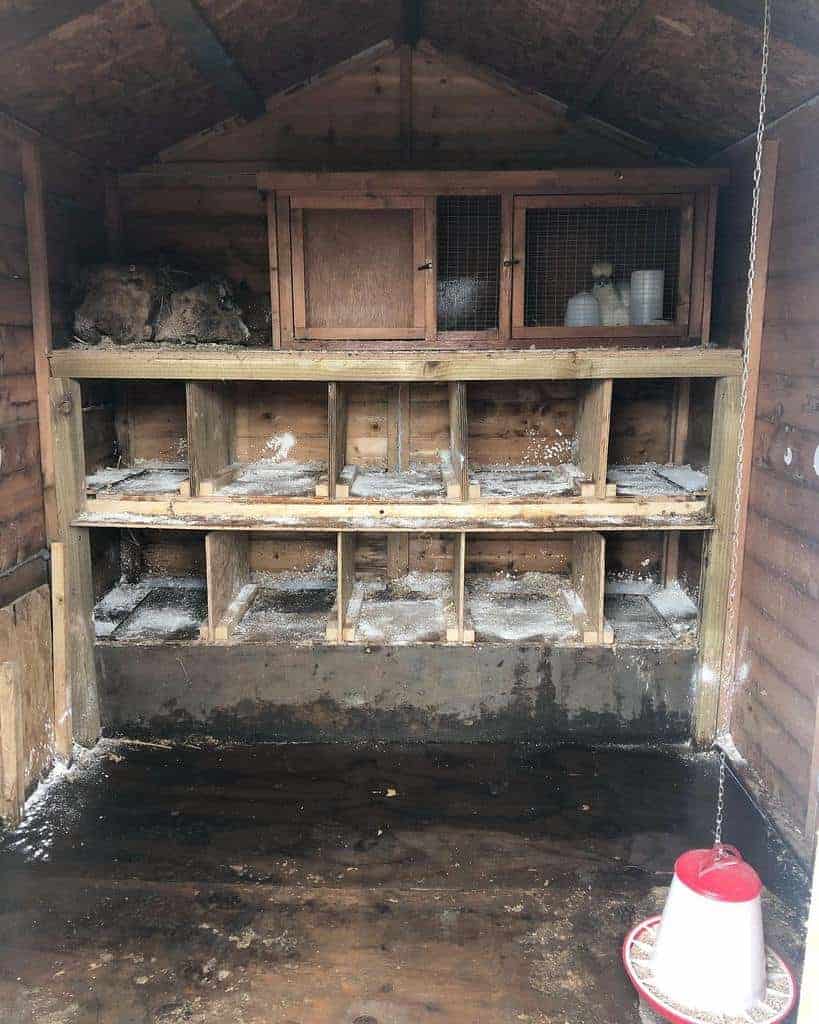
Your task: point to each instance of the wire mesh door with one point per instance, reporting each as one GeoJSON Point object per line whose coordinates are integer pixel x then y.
{"type": "Point", "coordinates": [601, 265]}
{"type": "Point", "coordinates": [468, 250]}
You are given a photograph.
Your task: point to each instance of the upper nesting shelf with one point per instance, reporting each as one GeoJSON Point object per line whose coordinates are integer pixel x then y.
{"type": "Point", "coordinates": [458, 260]}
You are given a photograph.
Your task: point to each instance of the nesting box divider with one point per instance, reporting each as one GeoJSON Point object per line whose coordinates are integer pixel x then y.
{"type": "Point", "coordinates": [345, 582]}
{"type": "Point", "coordinates": [211, 430]}
{"type": "Point", "coordinates": [457, 475]}
{"type": "Point", "coordinates": [337, 430]}
{"type": "Point", "coordinates": [228, 575]}
{"type": "Point", "coordinates": [592, 437]}
{"type": "Point", "coordinates": [588, 576]}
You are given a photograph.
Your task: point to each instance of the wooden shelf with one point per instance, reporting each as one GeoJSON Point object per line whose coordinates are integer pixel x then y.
{"type": "Point", "coordinates": [563, 514]}
{"type": "Point", "coordinates": [163, 363]}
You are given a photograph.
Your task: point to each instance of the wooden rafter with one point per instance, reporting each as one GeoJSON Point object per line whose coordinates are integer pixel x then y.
{"type": "Point", "coordinates": [632, 31]}
{"type": "Point", "coordinates": [787, 24]}
{"type": "Point", "coordinates": [19, 28]}
{"type": "Point", "coordinates": [209, 56]}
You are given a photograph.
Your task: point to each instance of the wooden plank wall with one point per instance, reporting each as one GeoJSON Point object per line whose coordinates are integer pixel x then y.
{"type": "Point", "coordinates": [22, 517]}
{"type": "Point", "coordinates": [774, 712]}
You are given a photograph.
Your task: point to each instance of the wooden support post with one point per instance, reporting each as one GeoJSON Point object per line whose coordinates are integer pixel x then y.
{"type": "Point", "coordinates": [398, 435]}
{"type": "Point", "coordinates": [273, 267]}
{"type": "Point", "coordinates": [63, 725]}
{"type": "Point", "coordinates": [279, 234]}
{"type": "Point", "coordinates": [592, 435]}
{"type": "Point", "coordinates": [507, 255]}
{"type": "Point", "coordinates": [345, 584]}
{"type": "Point", "coordinates": [717, 559]}
{"type": "Point", "coordinates": [228, 573]}
{"type": "Point", "coordinates": [210, 432]}
{"type": "Point", "coordinates": [40, 318]}
{"type": "Point", "coordinates": [770, 158]}
{"type": "Point", "coordinates": [588, 581]}
{"type": "Point", "coordinates": [809, 998]}
{"type": "Point", "coordinates": [69, 479]}
{"type": "Point", "coordinates": [12, 752]}
{"type": "Point", "coordinates": [457, 631]}
{"type": "Point", "coordinates": [459, 437]}
{"type": "Point", "coordinates": [337, 431]}
{"type": "Point", "coordinates": [678, 441]}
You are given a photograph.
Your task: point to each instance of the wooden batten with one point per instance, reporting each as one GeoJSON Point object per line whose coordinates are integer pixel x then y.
{"type": "Point", "coordinates": [459, 630]}
{"type": "Point", "coordinates": [12, 745]}
{"type": "Point", "coordinates": [228, 582]}
{"type": "Point", "coordinates": [588, 581]}
{"type": "Point", "coordinates": [592, 436]}
{"type": "Point", "coordinates": [210, 433]}
{"type": "Point", "coordinates": [678, 440]}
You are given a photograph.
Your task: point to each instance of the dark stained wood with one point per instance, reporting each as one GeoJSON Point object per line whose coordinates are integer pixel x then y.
{"type": "Point", "coordinates": [19, 28]}
{"type": "Point", "coordinates": [209, 55]}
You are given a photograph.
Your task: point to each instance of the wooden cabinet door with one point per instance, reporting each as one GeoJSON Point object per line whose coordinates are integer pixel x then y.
{"type": "Point", "coordinates": [557, 239]}
{"type": "Point", "coordinates": [360, 267]}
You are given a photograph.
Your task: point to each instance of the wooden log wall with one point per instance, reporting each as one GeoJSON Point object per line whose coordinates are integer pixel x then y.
{"type": "Point", "coordinates": [775, 709]}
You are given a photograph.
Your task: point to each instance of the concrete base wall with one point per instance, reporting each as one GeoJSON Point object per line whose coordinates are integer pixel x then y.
{"type": "Point", "coordinates": [256, 692]}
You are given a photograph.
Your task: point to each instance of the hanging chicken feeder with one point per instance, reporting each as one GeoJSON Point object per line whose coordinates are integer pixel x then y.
{"type": "Point", "coordinates": [705, 959]}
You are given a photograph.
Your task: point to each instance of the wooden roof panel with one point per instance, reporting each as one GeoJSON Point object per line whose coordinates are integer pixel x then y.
{"type": "Point", "coordinates": [692, 81]}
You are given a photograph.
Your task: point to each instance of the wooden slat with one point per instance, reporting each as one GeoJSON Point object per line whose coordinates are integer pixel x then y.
{"type": "Point", "coordinates": [345, 579]}
{"type": "Point", "coordinates": [12, 748]}
{"type": "Point", "coordinates": [40, 317]}
{"type": "Point", "coordinates": [254, 364]}
{"type": "Point", "coordinates": [63, 725]}
{"type": "Point", "coordinates": [273, 268]}
{"type": "Point", "coordinates": [284, 262]}
{"type": "Point", "coordinates": [211, 431]}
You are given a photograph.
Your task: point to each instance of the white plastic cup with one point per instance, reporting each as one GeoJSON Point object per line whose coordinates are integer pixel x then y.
{"type": "Point", "coordinates": [582, 310]}
{"type": "Point", "coordinates": [646, 298]}
{"type": "Point", "coordinates": [710, 948]}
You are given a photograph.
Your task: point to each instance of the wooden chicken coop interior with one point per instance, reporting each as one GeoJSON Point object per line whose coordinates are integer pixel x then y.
{"type": "Point", "coordinates": [376, 377]}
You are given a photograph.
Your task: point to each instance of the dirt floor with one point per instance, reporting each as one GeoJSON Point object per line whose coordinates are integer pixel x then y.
{"type": "Point", "coordinates": [395, 885]}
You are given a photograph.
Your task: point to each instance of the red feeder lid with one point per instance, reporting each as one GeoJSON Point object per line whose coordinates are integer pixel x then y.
{"type": "Point", "coordinates": [719, 873]}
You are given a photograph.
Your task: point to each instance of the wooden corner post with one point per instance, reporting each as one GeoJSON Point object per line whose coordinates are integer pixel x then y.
{"type": "Point", "coordinates": [69, 478]}
{"type": "Point", "coordinates": [717, 559]}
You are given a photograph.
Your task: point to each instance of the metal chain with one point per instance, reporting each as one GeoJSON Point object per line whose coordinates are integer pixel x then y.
{"type": "Point", "coordinates": [729, 654]}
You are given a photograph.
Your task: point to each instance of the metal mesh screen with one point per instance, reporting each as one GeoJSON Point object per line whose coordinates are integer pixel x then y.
{"type": "Point", "coordinates": [468, 262]}
{"type": "Point", "coordinates": [563, 243]}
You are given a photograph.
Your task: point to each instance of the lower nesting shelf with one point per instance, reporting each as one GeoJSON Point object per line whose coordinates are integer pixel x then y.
{"type": "Point", "coordinates": [377, 589]}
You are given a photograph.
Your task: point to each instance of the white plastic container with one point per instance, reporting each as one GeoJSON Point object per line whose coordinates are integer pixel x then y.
{"type": "Point", "coordinates": [710, 950]}
{"type": "Point", "coordinates": [646, 296]}
{"type": "Point", "coordinates": [582, 310]}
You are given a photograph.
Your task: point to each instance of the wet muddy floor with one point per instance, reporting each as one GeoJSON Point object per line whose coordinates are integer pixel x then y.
{"type": "Point", "coordinates": [345, 885]}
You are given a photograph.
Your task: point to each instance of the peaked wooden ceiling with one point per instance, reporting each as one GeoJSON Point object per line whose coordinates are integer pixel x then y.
{"type": "Point", "coordinates": [120, 80]}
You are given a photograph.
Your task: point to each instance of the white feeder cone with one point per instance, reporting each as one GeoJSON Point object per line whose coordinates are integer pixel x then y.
{"type": "Point", "coordinates": [710, 950]}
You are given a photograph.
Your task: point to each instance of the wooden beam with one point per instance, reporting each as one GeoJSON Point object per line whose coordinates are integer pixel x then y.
{"type": "Point", "coordinates": [19, 28]}
{"type": "Point", "coordinates": [631, 32]}
{"type": "Point", "coordinates": [69, 479]}
{"type": "Point", "coordinates": [588, 580]}
{"type": "Point", "coordinates": [788, 24]}
{"type": "Point", "coordinates": [432, 365]}
{"type": "Point", "coordinates": [770, 159]}
{"type": "Point", "coordinates": [210, 431]}
{"type": "Point", "coordinates": [12, 752]}
{"type": "Point", "coordinates": [717, 558]}
{"type": "Point", "coordinates": [412, 22]}
{"type": "Point", "coordinates": [227, 571]}
{"type": "Point", "coordinates": [459, 435]}
{"type": "Point", "coordinates": [209, 56]}
{"type": "Point", "coordinates": [337, 432]}
{"type": "Point", "coordinates": [40, 317]}
{"type": "Point", "coordinates": [592, 433]}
